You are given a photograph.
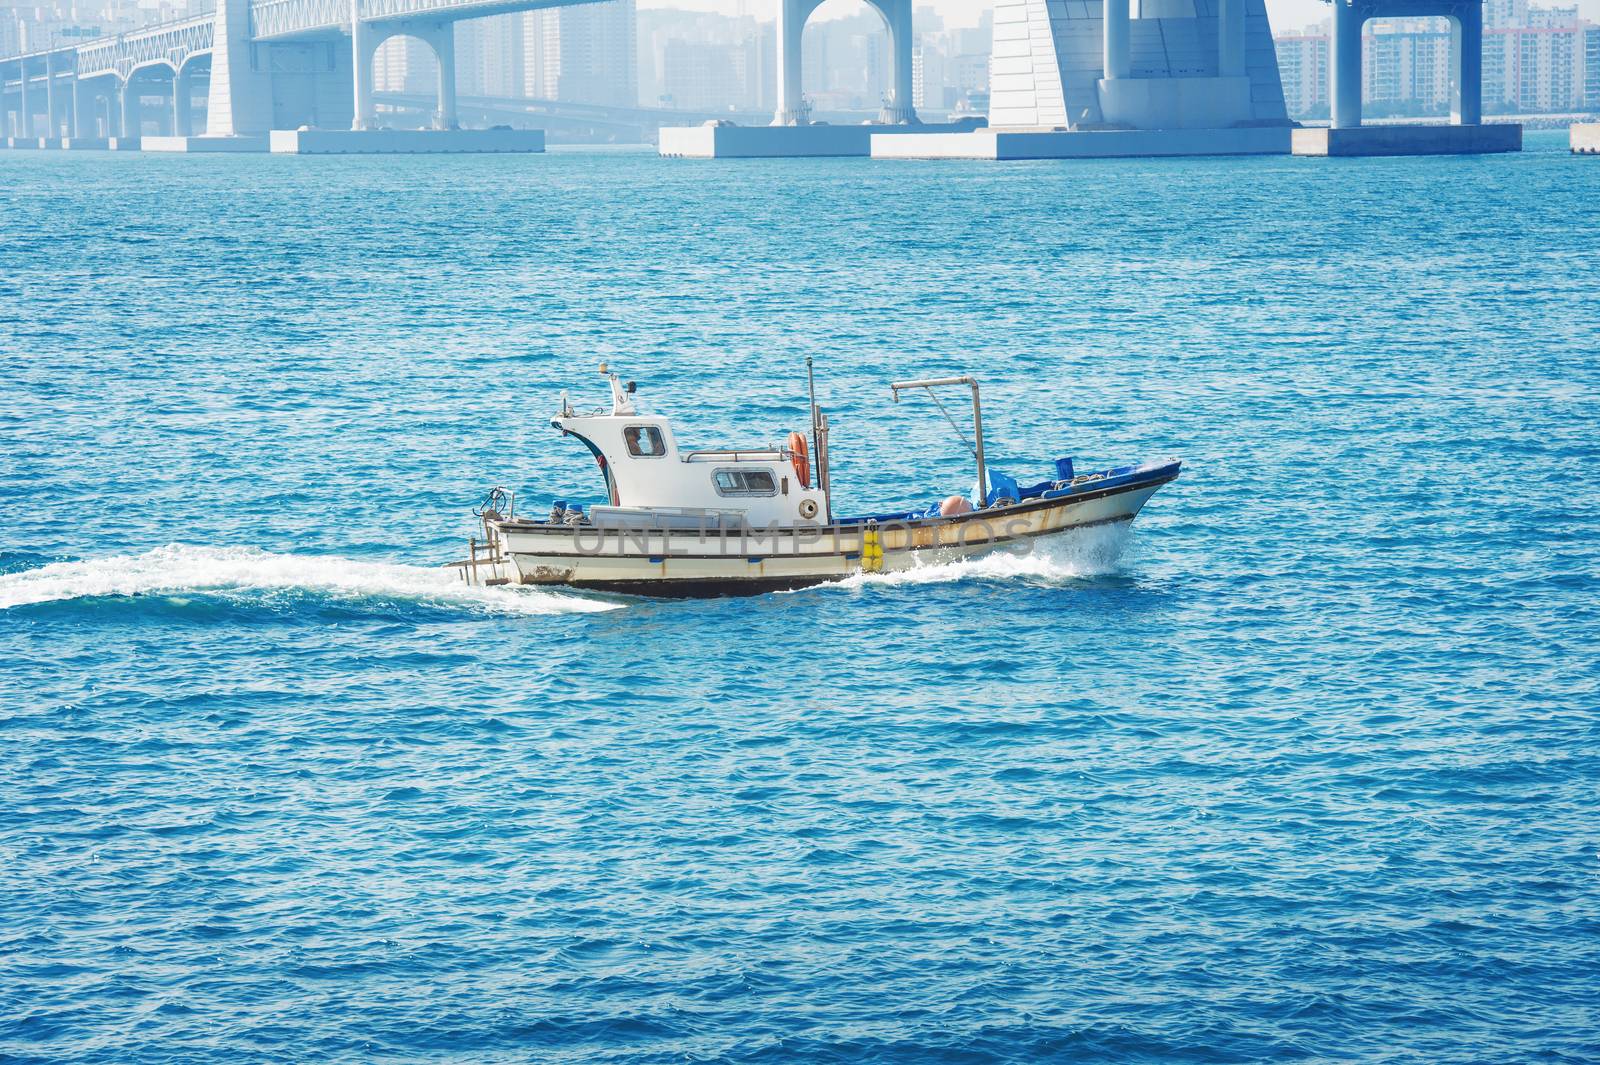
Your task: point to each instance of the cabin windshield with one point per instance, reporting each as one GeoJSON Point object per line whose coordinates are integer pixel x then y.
{"type": "Point", "coordinates": [644, 441]}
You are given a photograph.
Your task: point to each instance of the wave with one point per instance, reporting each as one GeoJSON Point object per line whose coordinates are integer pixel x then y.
{"type": "Point", "coordinates": [247, 572]}
{"type": "Point", "coordinates": [1074, 555]}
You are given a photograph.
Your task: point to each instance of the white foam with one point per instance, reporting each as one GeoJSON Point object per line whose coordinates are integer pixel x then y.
{"type": "Point", "coordinates": [1057, 559]}
{"type": "Point", "coordinates": [247, 571]}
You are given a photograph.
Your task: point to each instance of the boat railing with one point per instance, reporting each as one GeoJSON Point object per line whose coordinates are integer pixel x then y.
{"type": "Point", "coordinates": [734, 454]}
{"type": "Point", "coordinates": [483, 554]}
{"type": "Point", "coordinates": [500, 504]}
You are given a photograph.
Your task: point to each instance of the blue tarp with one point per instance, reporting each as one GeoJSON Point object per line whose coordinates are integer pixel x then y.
{"type": "Point", "coordinates": [1001, 485]}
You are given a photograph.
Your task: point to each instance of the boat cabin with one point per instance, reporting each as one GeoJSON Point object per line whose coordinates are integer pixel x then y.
{"type": "Point", "coordinates": [648, 477]}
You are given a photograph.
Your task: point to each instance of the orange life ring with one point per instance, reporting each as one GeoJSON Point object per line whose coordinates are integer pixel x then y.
{"type": "Point", "coordinates": [801, 459]}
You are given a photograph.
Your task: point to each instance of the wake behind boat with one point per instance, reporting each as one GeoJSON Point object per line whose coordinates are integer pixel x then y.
{"type": "Point", "coordinates": [743, 521]}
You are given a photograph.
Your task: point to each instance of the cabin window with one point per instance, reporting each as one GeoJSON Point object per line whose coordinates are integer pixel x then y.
{"type": "Point", "coordinates": [744, 483]}
{"type": "Point", "coordinates": [644, 441]}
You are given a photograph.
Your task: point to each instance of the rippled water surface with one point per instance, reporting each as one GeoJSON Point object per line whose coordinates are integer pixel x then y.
{"type": "Point", "coordinates": [1310, 773]}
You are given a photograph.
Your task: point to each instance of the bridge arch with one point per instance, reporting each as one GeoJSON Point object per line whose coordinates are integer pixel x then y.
{"type": "Point", "coordinates": [792, 21]}
{"type": "Point", "coordinates": [191, 66]}
{"type": "Point", "coordinates": [149, 78]}
{"type": "Point", "coordinates": [1465, 18]}
{"type": "Point", "coordinates": [440, 37]}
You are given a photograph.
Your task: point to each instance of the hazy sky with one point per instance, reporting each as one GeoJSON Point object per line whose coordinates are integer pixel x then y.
{"type": "Point", "coordinates": [1286, 14]}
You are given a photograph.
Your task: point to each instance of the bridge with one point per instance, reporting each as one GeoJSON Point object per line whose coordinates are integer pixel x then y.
{"type": "Point", "coordinates": [283, 64]}
{"type": "Point", "coordinates": [265, 64]}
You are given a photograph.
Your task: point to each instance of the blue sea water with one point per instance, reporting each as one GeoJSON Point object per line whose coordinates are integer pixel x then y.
{"type": "Point", "coordinates": [1309, 774]}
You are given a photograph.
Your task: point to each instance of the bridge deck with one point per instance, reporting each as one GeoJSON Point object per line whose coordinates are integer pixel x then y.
{"type": "Point", "coordinates": [173, 41]}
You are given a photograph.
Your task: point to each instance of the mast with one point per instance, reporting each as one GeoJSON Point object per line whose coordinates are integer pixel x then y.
{"type": "Point", "coordinates": [816, 437]}
{"type": "Point", "coordinates": [819, 443]}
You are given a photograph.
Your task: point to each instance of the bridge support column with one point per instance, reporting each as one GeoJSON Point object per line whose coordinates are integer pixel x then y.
{"type": "Point", "coordinates": [791, 30]}
{"type": "Point", "coordinates": [1230, 39]}
{"type": "Point", "coordinates": [1344, 66]}
{"type": "Point", "coordinates": [25, 112]}
{"type": "Point", "coordinates": [131, 118]}
{"type": "Point", "coordinates": [899, 109]}
{"type": "Point", "coordinates": [1466, 66]}
{"type": "Point", "coordinates": [182, 104]}
{"type": "Point", "coordinates": [239, 96]}
{"type": "Point", "coordinates": [1115, 39]}
{"type": "Point", "coordinates": [52, 127]}
{"type": "Point", "coordinates": [444, 47]}
{"type": "Point", "coordinates": [361, 50]}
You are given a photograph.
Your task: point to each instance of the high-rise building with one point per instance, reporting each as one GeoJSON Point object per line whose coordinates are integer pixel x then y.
{"type": "Point", "coordinates": [405, 64]}
{"type": "Point", "coordinates": [1499, 14]}
{"type": "Point", "coordinates": [700, 76]}
{"type": "Point", "coordinates": [758, 62]}
{"type": "Point", "coordinates": [1303, 66]}
{"type": "Point", "coordinates": [704, 61]}
{"type": "Point", "coordinates": [927, 78]}
{"type": "Point", "coordinates": [967, 74]}
{"type": "Point", "coordinates": [490, 56]}
{"type": "Point", "coordinates": [533, 85]}
{"type": "Point", "coordinates": [1591, 68]}
{"type": "Point", "coordinates": [1405, 64]}
{"type": "Point", "coordinates": [1529, 69]}
{"type": "Point", "coordinates": [588, 54]}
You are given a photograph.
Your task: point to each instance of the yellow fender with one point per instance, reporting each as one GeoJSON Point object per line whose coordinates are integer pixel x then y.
{"type": "Point", "coordinates": [871, 551]}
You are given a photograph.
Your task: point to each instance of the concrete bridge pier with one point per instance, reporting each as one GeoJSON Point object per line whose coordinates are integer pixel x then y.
{"type": "Point", "coordinates": [239, 97]}
{"type": "Point", "coordinates": [361, 52]}
{"type": "Point", "coordinates": [1466, 56]}
{"type": "Point", "coordinates": [1466, 69]}
{"type": "Point", "coordinates": [792, 18]}
{"type": "Point", "coordinates": [1114, 40]}
{"type": "Point", "coordinates": [1466, 133]}
{"type": "Point", "coordinates": [81, 117]}
{"type": "Point", "coordinates": [444, 46]}
{"type": "Point", "coordinates": [74, 107]}
{"type": "Point", "coordinates": [110, 109]}
{"type": "Point", "coordinates": [52, 126]}
{"type": "Point", "coordinates": [182, 103]}
{"type": "Point", "coordinates": [1344, 65]}
{"type": "Point", "coordinates": [131, 111]}
{"type": "Point", "coordinates": [25, 112]}
{"type": "Point", "coordinates": [791, 29]}
{"type": "Point", "coordinates": [899, 109]}
{"type": "Point", "coordinates": [1231, 39]}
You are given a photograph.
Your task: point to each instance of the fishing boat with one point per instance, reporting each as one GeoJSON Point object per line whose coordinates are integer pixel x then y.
{"type": "Point", "coordinates": [679, 522]}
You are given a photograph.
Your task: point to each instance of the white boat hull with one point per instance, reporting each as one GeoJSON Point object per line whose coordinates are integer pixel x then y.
{"type": "Point", "coordinates": [742, 561]}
